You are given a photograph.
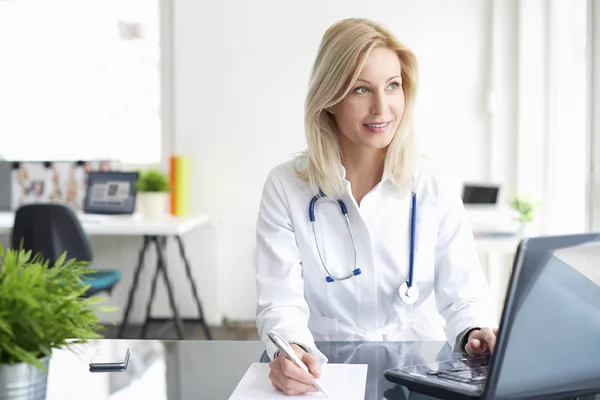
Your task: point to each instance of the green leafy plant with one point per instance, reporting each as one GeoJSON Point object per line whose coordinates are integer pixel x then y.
{"type": "Point", "coordinates": [153, 180]}
{"type": "Point", "coordinates": [42, 308]}
{"type": "Point", "coordinates": [524, 207]}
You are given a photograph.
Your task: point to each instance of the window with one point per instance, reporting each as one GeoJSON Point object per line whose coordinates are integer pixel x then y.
{"type": "Point", "coordinates": [594, 116]}
{"type": "Point", "coordinates": [79, 80]}
{"type": "Point", "coordinates": [567, 164]}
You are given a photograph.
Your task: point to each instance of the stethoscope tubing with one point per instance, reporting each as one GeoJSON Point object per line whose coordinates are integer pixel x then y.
{"type": "Point", "coordinates": [355, 270]}
{"type": "Point", "coordinates": [413, 217]}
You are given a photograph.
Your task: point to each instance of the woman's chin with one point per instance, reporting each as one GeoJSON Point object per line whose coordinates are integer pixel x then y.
{"type": "Point", "coordinates": [377, 143]}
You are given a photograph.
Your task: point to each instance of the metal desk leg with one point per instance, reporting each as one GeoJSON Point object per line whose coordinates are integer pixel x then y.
{"type": "Point", "coordinates": [162, 265]}
{"type": "Point", "coordinates": [134, 284]}
{"type": "Point", "coordinates": [194, 290]}
{"type": "Point", "coordinates": [163, 243]}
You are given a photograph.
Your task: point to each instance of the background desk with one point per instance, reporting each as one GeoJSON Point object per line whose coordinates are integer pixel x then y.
{"type": "Point", "coordinates": [506, 245]}
{"type": "Point", "coordinates": [106, 225]}
{"type": "Point", "coordinates": [496, 255]}
{"type": "Point", "coordinates": [154, 231]}
{"type": "Point", "coordinates": [182, 370]}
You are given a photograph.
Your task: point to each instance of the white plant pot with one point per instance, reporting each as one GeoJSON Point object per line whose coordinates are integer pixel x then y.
{"type": "Point", "coordinates": [153, 204]}
{"type": "Point", "coordinates": [23, 381]}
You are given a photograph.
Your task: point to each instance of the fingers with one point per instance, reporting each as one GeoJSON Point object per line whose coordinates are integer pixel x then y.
{"type": "Point", "coordinates": [288, 378]}
{"type": "Point", "coordinates": [482, 340]}
{"type": "Point", "coordinates": [489, 338]}
{"type": "Point", "coordinates": [292, 371]}
{"type": "Point", "coordinates": [291, 387]}
{"type": "Point", "coordinates": [288, 387]}
{"type": "Point", "coordinates": [313, 364]}
{"type": "Point", "coordinates": [475, 347]}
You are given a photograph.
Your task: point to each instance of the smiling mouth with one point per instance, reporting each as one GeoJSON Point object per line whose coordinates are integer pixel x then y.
{"type": "Point", "coordinates": [377, 124]}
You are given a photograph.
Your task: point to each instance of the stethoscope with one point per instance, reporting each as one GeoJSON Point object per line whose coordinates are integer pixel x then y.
{"type": "Point", "coordinates": [409, 292]}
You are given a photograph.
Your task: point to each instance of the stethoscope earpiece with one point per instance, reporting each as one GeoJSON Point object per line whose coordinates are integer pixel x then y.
{"type": "Point", "coordinates": [357, 271]}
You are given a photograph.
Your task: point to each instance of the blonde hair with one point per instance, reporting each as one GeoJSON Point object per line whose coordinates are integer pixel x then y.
{"type": "Point", "coordinates": [342, 54]}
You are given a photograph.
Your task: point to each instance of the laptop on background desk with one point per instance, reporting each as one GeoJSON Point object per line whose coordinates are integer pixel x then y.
{"type": "Point", "coordinates": [110, 193]}
{"type": "Point", "coordinates": [549, 340]}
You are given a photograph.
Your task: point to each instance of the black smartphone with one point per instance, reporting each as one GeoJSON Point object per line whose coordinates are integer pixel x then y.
{"type": "Point", "coordinates": [105, 360]}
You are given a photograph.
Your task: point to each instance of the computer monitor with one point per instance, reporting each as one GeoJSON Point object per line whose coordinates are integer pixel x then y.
{"type": "Point", "coordinates": [110, 192]}
{"type": "Point", "coordinates": [480, 195]}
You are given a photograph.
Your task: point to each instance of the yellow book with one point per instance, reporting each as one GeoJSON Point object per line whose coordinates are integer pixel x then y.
{"type": "Point", "coordinates": [183, 185]}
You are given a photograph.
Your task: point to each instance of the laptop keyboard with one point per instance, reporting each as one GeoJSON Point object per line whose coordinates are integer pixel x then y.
{"type": "Point", "coordinates": [475, 374]}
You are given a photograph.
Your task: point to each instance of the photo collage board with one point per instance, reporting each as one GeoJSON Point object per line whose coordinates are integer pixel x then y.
{"type": "Point", "coordinates": [54, 181]}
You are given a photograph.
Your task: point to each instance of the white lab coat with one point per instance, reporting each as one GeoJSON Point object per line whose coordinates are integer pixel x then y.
{"type": "Point", "coordinates": [294, 298]}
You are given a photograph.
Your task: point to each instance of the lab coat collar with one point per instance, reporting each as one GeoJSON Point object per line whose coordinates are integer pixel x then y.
{"type": "Point", "coordinates": [384, 178]}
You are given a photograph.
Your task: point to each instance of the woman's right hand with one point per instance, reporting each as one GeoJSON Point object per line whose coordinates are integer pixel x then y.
{"type": "Point", "coordinates": [292, 380]}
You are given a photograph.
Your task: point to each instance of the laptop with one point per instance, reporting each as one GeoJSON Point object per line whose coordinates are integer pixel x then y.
{"type": "Point", "coordinates": [110, 193]}
{"type": "Point", "coordinates": [548, 344]}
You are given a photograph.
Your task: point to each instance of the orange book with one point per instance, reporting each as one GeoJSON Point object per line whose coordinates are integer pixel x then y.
{"type": "Point", "coordinates": [173, 184]}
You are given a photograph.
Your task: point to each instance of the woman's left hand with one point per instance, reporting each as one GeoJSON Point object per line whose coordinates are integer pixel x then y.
{"type": "Point", "coordinates": [481, 341]}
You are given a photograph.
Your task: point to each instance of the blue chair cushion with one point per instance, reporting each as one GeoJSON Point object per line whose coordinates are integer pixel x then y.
{"type": "Point", "coordinates": [102, 279]}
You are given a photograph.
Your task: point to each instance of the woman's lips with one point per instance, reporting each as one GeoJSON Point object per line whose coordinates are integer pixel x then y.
{"type": "Point", "coordinates": [377, 127]}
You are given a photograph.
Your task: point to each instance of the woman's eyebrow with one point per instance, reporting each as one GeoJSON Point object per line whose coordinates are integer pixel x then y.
{"type": "Point", "coordinates": [370, 83]}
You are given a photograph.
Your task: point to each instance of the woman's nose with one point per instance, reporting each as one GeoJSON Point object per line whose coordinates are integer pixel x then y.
{"type": "Point", "coordinates": [379, 104]}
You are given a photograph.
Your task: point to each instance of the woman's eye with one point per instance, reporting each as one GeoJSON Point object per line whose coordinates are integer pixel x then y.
{"type": "Point", "coordinates": [394, 85]}
{"type": "Point", "coordinates": [361, 90]}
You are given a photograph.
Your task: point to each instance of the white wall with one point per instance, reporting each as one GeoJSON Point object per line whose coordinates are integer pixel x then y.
{"type": "Point", "coordinates": [241, 71]}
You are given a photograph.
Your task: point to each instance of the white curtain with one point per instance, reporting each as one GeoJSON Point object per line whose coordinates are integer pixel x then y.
{"type": "Point", "coordinates": [539, 123]}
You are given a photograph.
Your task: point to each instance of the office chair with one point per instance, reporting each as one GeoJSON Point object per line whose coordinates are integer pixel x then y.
{"type": "Point", "coordinates": [51, 229]}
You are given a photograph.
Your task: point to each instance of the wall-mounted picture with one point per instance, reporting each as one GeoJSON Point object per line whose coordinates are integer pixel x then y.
{"type": "Point", "coordinates": [60, 181]}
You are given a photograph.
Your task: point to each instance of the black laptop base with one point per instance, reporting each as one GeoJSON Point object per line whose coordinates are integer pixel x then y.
{"type": "Point", "coordinates": [427, 389]}
{"type": "Point", "coordinates": [429, 379]}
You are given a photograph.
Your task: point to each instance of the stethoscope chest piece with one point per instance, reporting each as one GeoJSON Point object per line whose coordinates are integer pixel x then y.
{"type": "Point", "coordinates": [409, 295]}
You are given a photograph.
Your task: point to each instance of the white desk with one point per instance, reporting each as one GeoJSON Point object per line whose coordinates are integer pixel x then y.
{"type": "Point", "coordinates": [154, 231]}
{"type": "Point", "coordinates": [494, 250]}
{"type": "Point", "coordinates": [108, 225]}
{"type": "Point", "coordinates": [506, 245]}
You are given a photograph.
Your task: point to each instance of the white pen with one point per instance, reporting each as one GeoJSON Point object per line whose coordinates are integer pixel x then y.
{"type": "Point", "coordinates": [285, 347]}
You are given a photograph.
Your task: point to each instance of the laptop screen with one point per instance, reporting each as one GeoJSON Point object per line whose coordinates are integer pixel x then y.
{"type": "Point", "coordinates": [111, 192]}
{"type": "Point", "coordinates": [554, 340]}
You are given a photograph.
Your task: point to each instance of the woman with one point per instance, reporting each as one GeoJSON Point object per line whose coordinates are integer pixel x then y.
{"type": "Point", "coordinates": [326, 280]}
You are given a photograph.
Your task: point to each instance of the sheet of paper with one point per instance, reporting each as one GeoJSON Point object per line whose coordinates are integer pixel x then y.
{"type": "Point", "coordinates": [341, 381]}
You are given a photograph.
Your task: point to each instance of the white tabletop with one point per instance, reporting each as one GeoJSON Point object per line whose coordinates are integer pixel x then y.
{"type": "Point", "coordinates": [125, 225]}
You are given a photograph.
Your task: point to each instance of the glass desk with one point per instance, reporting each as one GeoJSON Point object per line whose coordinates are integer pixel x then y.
{"type": "Point", "coordinates": [189, 369]}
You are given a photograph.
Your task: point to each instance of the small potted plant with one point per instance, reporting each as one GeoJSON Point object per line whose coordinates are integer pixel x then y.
{"type": "Point", "coordinates": [153, 193]}
{"type": "Point", "coordinates": [525, 209]}
{"type": "Point", "coordinates": [41, 309]}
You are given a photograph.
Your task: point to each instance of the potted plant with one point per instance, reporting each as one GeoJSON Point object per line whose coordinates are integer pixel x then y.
{"type": "Point", "coordinates": [41, 309]}
{"type": "Point", "coordinates": [525, 210]}
{"type": "Point", "coordinates": [153, 193]}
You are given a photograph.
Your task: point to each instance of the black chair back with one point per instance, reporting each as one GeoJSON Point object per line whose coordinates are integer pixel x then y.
{"type": "Point", "coordinates": [51, 229]}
